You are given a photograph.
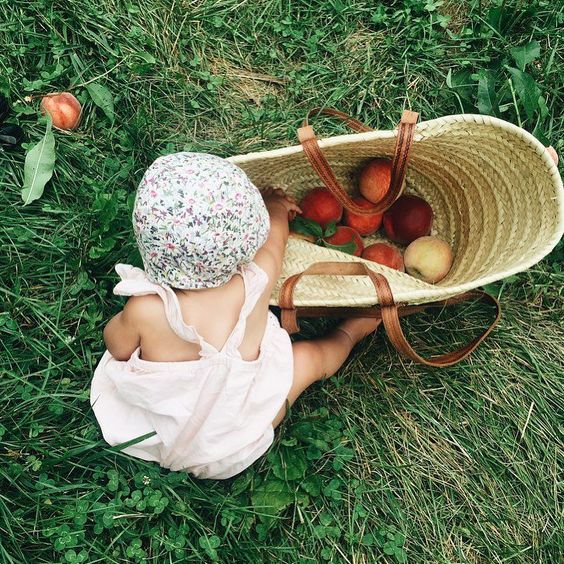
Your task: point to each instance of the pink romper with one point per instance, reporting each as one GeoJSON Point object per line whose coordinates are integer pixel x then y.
{"type": "Point", "coordinates": [211, 417]}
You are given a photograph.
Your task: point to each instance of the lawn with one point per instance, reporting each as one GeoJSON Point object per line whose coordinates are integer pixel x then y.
{"type": "Point", "coordinates": [387, 461]}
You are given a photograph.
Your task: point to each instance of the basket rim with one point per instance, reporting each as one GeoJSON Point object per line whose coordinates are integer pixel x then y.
{"type": "Point", "coordinates": [430, 293]}
{"type": "Point", "coordinates": [520, 135]}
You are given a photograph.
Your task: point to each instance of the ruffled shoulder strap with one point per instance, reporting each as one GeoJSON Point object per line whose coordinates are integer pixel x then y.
{"type": "Point", "coordinates": [134, 282]}
{"type": "Point", "coordinates": [255, 280]}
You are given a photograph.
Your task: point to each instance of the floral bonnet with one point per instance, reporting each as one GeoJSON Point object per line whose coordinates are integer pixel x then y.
{"type": "Point", "coordinates": [197, 218]}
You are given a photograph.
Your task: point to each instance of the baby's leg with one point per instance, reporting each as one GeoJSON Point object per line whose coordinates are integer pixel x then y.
{"type": "Point", "coordinates": [320, 358]}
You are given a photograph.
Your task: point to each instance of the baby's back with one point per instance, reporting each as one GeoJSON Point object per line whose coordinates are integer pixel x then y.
{"type": "Point", "coordinates": [214, 314]}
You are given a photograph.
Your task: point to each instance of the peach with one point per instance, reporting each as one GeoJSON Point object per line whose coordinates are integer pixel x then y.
{"type": "Point", "coordinates": [385, 254]}
{"type": "Point", "coordinates": [374, 180]}
{"type": "Point", "coordinates": [553, 154]}
{"type": "Point", "coordinates": [409, 218]}
{"type": "Point", "coordinates": [428, 258]}
{"type": "Point", "coordinates": [363, 224]}
{"type": "Point", "coordinates": [345, 239]}
{"type": "Point", "coordinates": [63, 108]}
{"type": "Point", "coordinates": [321, 206]}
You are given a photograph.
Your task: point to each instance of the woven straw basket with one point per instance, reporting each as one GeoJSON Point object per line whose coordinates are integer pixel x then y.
{"type": "Point", "coordinates": [496, 194]}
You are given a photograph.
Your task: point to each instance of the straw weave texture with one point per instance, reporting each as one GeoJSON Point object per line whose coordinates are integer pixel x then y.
{"type": "Point", "coordinates": [497, 198]}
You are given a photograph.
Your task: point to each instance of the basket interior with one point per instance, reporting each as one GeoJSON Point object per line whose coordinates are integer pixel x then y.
{"type": "Point", "coordinates": [495, 196]}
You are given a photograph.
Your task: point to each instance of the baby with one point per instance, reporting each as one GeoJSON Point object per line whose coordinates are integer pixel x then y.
{"type": "Point", "coordinates": [198, 372]}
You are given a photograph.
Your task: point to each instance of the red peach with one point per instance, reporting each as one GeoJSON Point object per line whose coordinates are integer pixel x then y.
{"type": "Point", "coordinates": [345, 236]}
{"type": "Point", "coordinates": [385, 254]}
{"type": "Point", "coordinates": [63, 108]}
{"type": "Point", "coordinates": [364, 224]}
{"type": "Point", "coordinates": [375, 178]}
{"type": "Point", "coordinates": [321, 206]}
{"type": "Point", "coordinates": [409, 218]}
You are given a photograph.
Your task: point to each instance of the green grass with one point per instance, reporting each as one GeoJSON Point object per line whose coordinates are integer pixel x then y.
{"type": "Point", "coordinates": [387, 461]}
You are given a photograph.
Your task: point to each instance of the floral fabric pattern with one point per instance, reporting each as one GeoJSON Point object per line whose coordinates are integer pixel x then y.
{"type": "Point", "coordinates": [197, 218]}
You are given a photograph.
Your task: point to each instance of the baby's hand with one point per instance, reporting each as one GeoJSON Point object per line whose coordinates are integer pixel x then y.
{"type": "Point", "coordinates": [278, 196]}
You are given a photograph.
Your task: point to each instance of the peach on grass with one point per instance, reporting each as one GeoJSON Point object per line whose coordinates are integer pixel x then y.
{"type": "Point", "coordinates": [428, 258]}
{"type": "Point", "coordinates": [63, 108]}
{"type": "Point", "coordinates": [553, 154]}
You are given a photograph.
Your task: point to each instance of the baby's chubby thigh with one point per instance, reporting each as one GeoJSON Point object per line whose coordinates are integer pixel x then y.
{"type": "Point", "coordinates": [308, 368]}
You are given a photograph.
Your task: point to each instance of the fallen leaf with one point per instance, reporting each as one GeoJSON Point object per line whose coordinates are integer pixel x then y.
{"type": "Point", "coordinates": [38, 167]}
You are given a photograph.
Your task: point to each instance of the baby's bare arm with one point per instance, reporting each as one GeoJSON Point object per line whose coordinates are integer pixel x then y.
{"type": "Point", "coordinates": [270, 256]}
{"type": "Point", "coordinates": [121, 334]}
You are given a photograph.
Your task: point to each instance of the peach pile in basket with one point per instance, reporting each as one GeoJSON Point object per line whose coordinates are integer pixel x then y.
{"type": "Point", "coordinates": [407, 223]}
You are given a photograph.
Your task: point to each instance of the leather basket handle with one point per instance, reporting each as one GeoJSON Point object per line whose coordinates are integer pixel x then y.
{"type": "Point", "coordinates": [390, 317]}
{"type": "Point", "coordinates": [390, 311]}
{"type": "Point", "coordinates": [319, 163]}
{"type": "Point", "coordinates": [350, 121]}
{"type": "Point", "coordinates": [289, 314]}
